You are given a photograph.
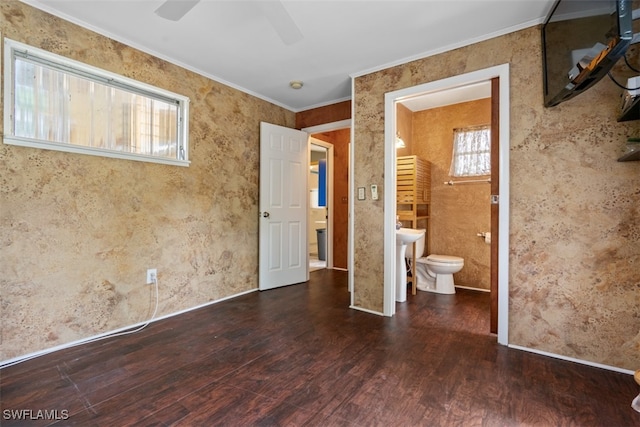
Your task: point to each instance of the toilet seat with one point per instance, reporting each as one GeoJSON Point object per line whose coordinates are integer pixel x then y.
{"type": "Point", "coordinates": [445, 259]}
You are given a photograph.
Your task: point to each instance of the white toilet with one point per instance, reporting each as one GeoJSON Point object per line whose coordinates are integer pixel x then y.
{"type": "Point", "coordinates": [435, 272]}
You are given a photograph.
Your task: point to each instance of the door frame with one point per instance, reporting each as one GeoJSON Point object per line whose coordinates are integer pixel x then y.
{"type": "Point", "coordinates": [501, 72]}
{"type": "Point", "coordinates": [343, 124]}
{"type": "Point", "coordinates": [329, 224]}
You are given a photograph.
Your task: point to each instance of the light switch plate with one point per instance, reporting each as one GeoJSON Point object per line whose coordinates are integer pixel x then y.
{"type": "Point", "coordinates": [361, 193]}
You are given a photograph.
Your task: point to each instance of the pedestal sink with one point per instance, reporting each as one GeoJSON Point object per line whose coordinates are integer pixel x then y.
{"type": "Point", "coordinates": [404, 236]}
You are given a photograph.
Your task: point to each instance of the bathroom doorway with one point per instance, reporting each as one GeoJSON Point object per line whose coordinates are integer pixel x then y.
{"type": "Point", "coordinates": [494, 83]}
{"type": "Point", "coordinates": [336, 137]}
{"type": "Point", "coordinates": [319, 203]}
{"type": "Point", "coordinates": [454, 206]}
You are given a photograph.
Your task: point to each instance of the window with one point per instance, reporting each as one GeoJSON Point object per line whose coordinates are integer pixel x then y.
{"type": "Point", "coordinates": [55, 103]}
{"type": "Point", "coordinates": [471, 151]}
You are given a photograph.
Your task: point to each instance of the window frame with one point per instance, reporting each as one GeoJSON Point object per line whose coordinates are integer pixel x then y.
{"type": "Point", "coordinates": [455, 154]}
{"type": "Point", "coordinates": [97, 75]}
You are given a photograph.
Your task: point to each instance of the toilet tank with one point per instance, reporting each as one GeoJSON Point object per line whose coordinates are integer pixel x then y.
{"type": "Point", "coordinates": [419, 247]}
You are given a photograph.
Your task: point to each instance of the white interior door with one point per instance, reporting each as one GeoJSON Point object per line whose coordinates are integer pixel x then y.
{"type": "Point", "coordinates": [284, 159]}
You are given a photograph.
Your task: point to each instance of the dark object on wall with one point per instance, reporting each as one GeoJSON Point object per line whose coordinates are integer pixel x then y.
{"type": "Point", "coordinates": [581, 41]}
{"type": "Point", "coordinates": [322, 183]}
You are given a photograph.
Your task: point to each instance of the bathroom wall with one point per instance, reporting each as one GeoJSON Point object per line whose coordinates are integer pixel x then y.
{"type": "Point", "coordinates": [574, 241]}
{"type": "Point", "coordinates": [458, 212]}
{"type": "Point", "coordinates": [78, 232]}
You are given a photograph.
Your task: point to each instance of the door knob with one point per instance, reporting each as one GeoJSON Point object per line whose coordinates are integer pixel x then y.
{"type": "Point", "coordinates": [265, 214]}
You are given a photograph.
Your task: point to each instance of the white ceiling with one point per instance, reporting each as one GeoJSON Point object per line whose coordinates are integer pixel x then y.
{"type": "Point", "coordinates": [450, 96]}
{"type": "Point", "coordinates": [233, 42]}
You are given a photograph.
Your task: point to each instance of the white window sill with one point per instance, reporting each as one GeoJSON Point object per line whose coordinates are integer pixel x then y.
{"type": "Point", "coordinates": [78, 149]}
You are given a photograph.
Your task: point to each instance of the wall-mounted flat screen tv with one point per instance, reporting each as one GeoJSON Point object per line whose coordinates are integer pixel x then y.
{"type": "Point", "coordinates": [581, 42]}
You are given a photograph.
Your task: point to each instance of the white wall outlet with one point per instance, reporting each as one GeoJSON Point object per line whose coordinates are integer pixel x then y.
{"type": "Point", "coordinates": [152, 276]}
{"type": "Point", "coordinates": [374, 192]}
{"type": "Point", "coordinates": [361, 193]}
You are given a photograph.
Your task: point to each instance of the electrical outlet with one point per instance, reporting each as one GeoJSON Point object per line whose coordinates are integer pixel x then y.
{"type": "Point", "coordinates": [152, 276]}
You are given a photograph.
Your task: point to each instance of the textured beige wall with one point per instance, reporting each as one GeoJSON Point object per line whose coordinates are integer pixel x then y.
{"type": "Point", "coordinates": [574, 222]}
{"type": "Point", "coordinates": [78, 232]}
{"type": "Point", "coordinates": [459, 212]}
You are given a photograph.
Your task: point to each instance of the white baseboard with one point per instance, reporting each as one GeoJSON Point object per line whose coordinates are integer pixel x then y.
{"type": "Point", "coordinates": [571, 359]}
{"type": "Point", "coordinates": [377, 313]}
{"type": "Point", "coordinates": [16, 360]}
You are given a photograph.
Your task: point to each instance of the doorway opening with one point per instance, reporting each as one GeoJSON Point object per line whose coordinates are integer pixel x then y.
{"type": "Point", "coordinates": [498, 79]}
{"type": "Point", "coordinates": [335, 137]}
{"type": "Point", "coordinates": [319, 202]}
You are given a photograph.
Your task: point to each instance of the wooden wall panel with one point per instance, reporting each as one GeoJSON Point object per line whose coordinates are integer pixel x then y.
{"type": "Point", "coordinates": [322, 115]}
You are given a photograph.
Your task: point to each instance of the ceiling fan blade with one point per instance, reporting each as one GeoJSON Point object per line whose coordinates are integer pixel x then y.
{"type": "Point", "coordinates": [282, 22]}
{"type": "Point", "coordinates": [174, 10]}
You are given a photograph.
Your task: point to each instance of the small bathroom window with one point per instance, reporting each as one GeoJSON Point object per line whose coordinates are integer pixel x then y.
{"type": "Point", "coordinates": [471, 151]}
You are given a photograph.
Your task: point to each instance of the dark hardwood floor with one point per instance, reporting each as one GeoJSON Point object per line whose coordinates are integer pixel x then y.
{"type": "Point", "coordinates": [299, 356]}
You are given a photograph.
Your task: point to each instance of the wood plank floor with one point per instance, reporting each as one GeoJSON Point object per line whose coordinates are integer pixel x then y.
{"type": "Point", "coordinates": [297, 356]}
